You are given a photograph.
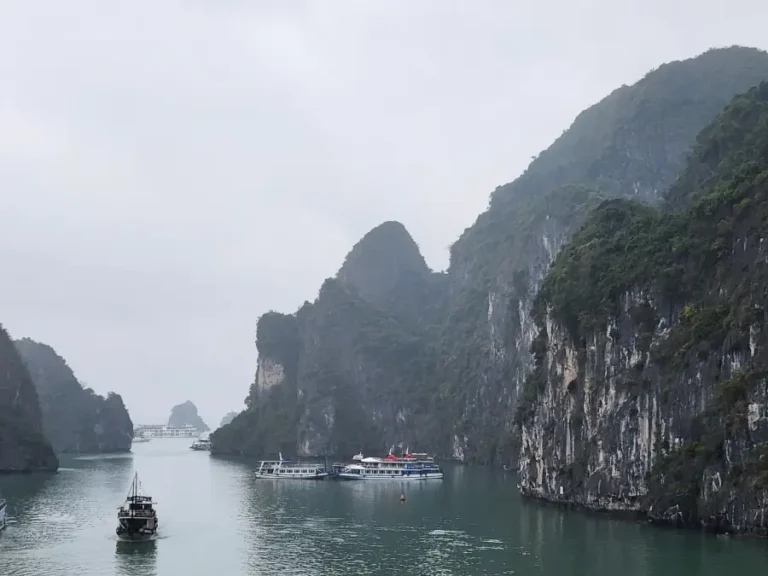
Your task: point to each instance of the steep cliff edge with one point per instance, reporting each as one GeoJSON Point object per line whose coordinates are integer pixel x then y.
{"type": "Point", "coordinates": [23, 446]}
{"type": "Point", "coordinates": [650, 390]}
{"type": "Point", "coordinates": [349, 371]}
{"type": "Point", "coordinates": [185, 414]}
{"type": "Point", "coordinates": [631, 144]}
{"type": "Point", "coordinates": [471, 329]}
{"type": "Point", "coordinates": [74, 419]}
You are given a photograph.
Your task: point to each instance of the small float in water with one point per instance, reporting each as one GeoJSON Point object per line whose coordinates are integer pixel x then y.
{"type": "Point", "coordinates": [137, 518]}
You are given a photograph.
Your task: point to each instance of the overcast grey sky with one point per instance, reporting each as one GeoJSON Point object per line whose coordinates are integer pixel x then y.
{"type": "Point", "coordinates": [169, 170]}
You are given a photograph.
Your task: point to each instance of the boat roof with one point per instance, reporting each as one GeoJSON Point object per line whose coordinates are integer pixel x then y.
{"type": "Point", "coordinates": [139, 498]}
{"type": "Point", "coordinates": [290, 463]}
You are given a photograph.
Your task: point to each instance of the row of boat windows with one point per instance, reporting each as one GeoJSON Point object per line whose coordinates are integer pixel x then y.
{"type": "Point", "coordinates": [295, 471]}
{"type": "Point", "coordinates": [384, 472]}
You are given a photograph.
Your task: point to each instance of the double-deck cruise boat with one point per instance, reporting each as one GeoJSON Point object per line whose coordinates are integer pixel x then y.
{"type": "Point", "coordinates": [2, 513]}
{"type": "Point", "coordinates": [287, 470]}
{"type": "Point", "coordinates": [409, 466]}
{"type": "Point", "coordinates": [137, 518]}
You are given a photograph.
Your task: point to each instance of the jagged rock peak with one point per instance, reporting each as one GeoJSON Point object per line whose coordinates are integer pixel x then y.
{"type": "Point", "coordinates": [186, 415]}
{"type": "Point", "coordinates": [382, 255]}
{"type": "Point", "coordinates": [386, 269]}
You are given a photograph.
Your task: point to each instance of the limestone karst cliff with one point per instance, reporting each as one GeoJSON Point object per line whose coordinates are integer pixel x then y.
{"type": "Point", "coordinates": [391, 351]}
{"type": "Point", "coordinates": [23, 446]}
{"type": "Point", "coordinates": [632, 144]}
{"type": "Point", "coordinates": [347, 372]}
{"type": "Point", "coordinates": [650, 391]}
{"type": "Point", "coordinates": [185, 414]}
{"type": "Point", "coordinates": [75, 419]}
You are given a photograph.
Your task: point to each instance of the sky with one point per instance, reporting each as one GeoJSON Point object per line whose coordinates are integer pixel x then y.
{"type": "Point", "coordinates": [170, 170]}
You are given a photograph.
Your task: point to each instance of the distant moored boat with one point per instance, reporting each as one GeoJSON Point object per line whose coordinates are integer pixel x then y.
{"type": "Point", "coordinates": [286, 470]}
{"type": "Point", "coordinates": [409, 466]}
{"type": "Point", "coordinates": [201, 444]}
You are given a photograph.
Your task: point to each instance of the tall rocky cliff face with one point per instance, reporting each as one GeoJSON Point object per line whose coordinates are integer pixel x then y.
{"type": "Point", "coordinates": [23, 446]}
{"type": "Point", "coordinates": [391, 351]}
{"type": "Point", "coordinates": [349, 371]}
{"type": "Point", "coordinates": [650, 391]}
{"type": "Point", "coordinates": [75, 419]}
{"type": "Point", "coordinates": [632, 144]}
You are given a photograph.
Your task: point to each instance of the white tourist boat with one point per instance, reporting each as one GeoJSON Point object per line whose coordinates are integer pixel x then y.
{"type": "Point", "coordinates": [3, 506]}
{"type": "Point", "coordinates": [286, 470]}
{"type": "Point", "coordinates": [141, 439]}
{"type": "Point", "coordinates": [165, 431]}
{"type": "Point", "coordinates": [201, 444]}
{"type": "Point", "coordinates": [409, 466]}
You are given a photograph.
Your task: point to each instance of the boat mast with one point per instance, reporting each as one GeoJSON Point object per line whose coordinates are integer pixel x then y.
{"type": "Point", "coordinates": [135, 486]}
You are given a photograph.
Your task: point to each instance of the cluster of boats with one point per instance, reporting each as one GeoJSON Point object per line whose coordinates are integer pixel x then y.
{"type": "Point", "coordinates": [137, 518]}
{"type": "Point", "coordinates": [408, 466]}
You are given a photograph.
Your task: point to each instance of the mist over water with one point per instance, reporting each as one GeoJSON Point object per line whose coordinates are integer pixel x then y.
{"type": "Point", "coordinates": [216, 518]}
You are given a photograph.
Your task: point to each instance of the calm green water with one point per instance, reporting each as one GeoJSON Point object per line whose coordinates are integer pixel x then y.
{"type": "Point", "coordinates": [216, 519]}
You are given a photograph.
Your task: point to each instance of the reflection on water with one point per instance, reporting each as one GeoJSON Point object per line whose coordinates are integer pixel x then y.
{"type": "Point", "coordinates": [135, 558]}
{"type": "Point", "coordinates": [217, 518]}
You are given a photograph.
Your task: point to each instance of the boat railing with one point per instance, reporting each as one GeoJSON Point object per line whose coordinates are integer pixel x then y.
{"type": "Point", "coordinates": [137, 513]}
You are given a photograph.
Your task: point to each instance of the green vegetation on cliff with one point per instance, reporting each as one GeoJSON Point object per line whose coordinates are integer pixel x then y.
{"type": "Point", "coordinates": [630, 145]}
{"type": "Point", "coordinates": [691, 277]}
{"type": "Point", "coordinates": [347, 372]}
{"type": "Point", "coordinates": [390, 350]}
{"type": "Point", "coordinates": [74, 419]}
{"type": "Point", "coordinates": [634, 142]}
{"type": "Point", "coordinates": [626, 245]}
{"type": "Point", "coordinates": [23, 446]}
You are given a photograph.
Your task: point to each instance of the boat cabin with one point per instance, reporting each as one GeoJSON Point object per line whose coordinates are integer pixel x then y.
{"type": "Point", "coordinates": [138, 507]}
{"type": "Point", "coordinates": [270, 467]}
